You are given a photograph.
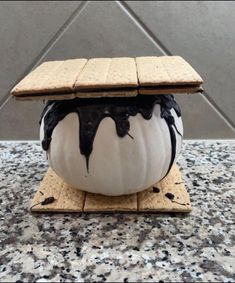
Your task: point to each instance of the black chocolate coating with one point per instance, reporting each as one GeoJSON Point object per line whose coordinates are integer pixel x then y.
{"type": "Point", "coordinates": [91, 111]}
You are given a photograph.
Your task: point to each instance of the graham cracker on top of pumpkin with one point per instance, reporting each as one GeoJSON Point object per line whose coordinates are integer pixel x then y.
{"type": "Point", "coordinates": [168, 195]}
{"type": "Point", "coordinates": [112, 77]}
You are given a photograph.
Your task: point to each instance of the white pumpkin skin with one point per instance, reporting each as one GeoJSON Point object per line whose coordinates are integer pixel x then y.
{"type": "Point", "coordinates": [117, 166]}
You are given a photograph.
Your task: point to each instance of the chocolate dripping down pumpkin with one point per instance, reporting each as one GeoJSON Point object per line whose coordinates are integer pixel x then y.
{"type": "Point", "coordinates": [92, 111]}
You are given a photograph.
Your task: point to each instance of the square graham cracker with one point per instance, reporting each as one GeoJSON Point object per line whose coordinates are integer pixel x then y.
{"type": "Point", "coordinates": [168, 195]}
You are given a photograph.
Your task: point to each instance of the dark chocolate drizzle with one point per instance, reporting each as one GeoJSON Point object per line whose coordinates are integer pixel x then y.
{"type": "Point", "coordinates": [171, 197]}
{"type": "Point", "coordinates": [156, 190]}
{"type": "Point", "coordinates": [91, 111]}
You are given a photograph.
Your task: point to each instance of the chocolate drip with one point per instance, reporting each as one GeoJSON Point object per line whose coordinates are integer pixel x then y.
{"type": "Point", "coordinates": [91, 111]}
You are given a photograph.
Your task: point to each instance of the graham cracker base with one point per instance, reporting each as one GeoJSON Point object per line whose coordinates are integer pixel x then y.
{"type": "Point", "coordinates": [168, 195]}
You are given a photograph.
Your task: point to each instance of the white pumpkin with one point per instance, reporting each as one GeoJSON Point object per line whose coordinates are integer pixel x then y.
{"type": "Point", "coordinates": [117, 165]}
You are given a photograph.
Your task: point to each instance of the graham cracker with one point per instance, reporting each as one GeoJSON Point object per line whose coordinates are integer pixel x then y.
{"type": "Point", "coordinates": [169, 89]}
{"type": "Point", "coordinates": [83, 94]}
{"type": "Point", "coordinates": [166, 70]}
{"type": "Point", "coordinates": [107, 93]}
{"type": "Point", "coordinates": [96, 202]}
{"type": "Point", "coordinates": [67, 199]}
{"type": "Point", "coordinates": [158, 198]}
{"type": "Point", "coordinates": [113, 77]}
{"type": "Point", "coordinates": [51, 77]}
{"type": "Point", "coordinates": [44, 96]}
{"type": "Point", "coordinates": [65, 76]}
{"type": "Point", "coordinates": [34, 81]}
{"type": "Point", "coordinates": [108, 73]}
{"type": "Point", "coordinates": [169, 194]}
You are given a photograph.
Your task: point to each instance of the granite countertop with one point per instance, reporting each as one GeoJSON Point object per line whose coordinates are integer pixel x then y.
{"type": "Point", "coordinates": [120, 247]}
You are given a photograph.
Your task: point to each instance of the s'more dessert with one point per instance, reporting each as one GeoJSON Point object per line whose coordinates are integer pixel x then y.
{"type": "Point", "coordinates": [111, 126]}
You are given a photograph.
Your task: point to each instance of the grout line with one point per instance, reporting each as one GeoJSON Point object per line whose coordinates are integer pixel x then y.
{"type": "Point", "coordinates": [141, 25]}
{"type": "Point", "coordinates": [47, 48]}
{"type": "Point", "coordinates": [4, 101]}
{"type": "Point", "coordinates": [220, 112]}
{"type": "Point", "coordinates": [153, 38]}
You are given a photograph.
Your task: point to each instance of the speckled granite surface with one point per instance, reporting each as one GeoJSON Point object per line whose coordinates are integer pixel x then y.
{"type": "Point", "coordinates": [120, 247]}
